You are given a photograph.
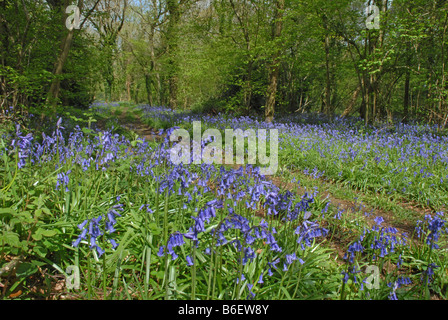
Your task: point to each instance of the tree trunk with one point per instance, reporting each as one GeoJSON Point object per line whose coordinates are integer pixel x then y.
{"type": "Point", "coordinates": [365, 107]}
{"type": "Point", "coordinates": [53, 93]}
{"type": "Point", "coordinates": [108, 90]}
{"type": "Point", "coordinates": [406, 96]}
{"type": "Point", "coordinates": [148, 88]}
{"type": "Point", "coordinates": [275, 65]}
{"type": "Point", "coordinates": [66, 42]}
{"type": "Point", "coordinates": [352, 102]}
{"type": "Point", "coordinates": [248, 87]}
{"type": "Point", "coordinates": [173, 9]}
{"type": "Point", "coordinates": [328, 108]}
{"type": "Point", "coordinates": [128, 87]}
{"type": "Point", "coordinates": [271, 92]}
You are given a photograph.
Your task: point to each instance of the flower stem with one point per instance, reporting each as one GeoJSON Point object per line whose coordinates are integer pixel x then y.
{"type": "Point", "coordinates": [193, 273]}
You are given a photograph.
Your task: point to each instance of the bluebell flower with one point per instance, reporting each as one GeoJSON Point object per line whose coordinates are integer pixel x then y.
{"type": "Point", "coordinates": [175, 240]}
{"type": "Point", "coordinates": [392, 296]}
{"type": "Point", "coordinates": [92, 227]}
{"type": "Point", "coordinates": [429, 272]}
{"type": "Point", "coordinates": [338, 215]}
{"type": "Point", "coordinates": [99, 250]}
{"type": "Point", "coordinates": [250, 286]}
{"type": "Point", "coordinates": [290, 258]}
{"type": "Point", "coordinates": [161, 253]}
{"type": "Point", "coordinates": [63, 179]}
{"type": "Point", "coordinates": [432, 227]}
{"type": "Point", "coordinates": [113, 243]}
{"type": "Point", "coordinates": [352, 249]}
{"type": "Point", "coordinates": [81, 237]}
{"type": "Point", "coordinates": [23, 146]}
{"type": "Point", "coordinates": [242, 278]}
{"type": "Point", "coordinates": [345, 276]}
{"type": "Point", "coordinates": [379, 220]}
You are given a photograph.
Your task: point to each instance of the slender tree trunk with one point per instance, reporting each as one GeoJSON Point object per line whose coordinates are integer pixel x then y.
{"type": "Point", "coordinates": [271, 92]}
{"type": "Point", "coordinates": [53, 93]}
{"type": "Point", "coordinates": [3, 53]}
{"type": "Point", "coordinates": [248, 87]}
{"type": "Point", "coordinates": [173, 9]}
{"type": "Point", "coordinates": [108, 90]}
{"type": "Point", "coordinates": [148, 88]}
{"type": "Point", "coordinates": [443, 89]}
{"type": "Point", "coordinates": [365, 107]}
{"type": "Point", "coordinates": [352, 102]}
{"type": "Point", "coordinates": [275, 65]}
{"type": "Point", "coordinates": [128, 87]}
{"type": "Point", "coordinates": [406, 96]}
{"type": "Point", "coordinates": [149, 78]}
{"type": "Point", "coordinates": [373, 98]}
{"type": "Point", "coordinates": [66, 42]}
{"type": "Point", "coordinates": [328, 107]}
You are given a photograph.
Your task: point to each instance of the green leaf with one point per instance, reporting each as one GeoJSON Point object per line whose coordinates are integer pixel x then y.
{"type": "Point", "coordinates": [87, 131]}
{"type": "Point", "coordinates": [25, 216]}
{"type": "Point", "coordinates": [158, 274]}
{"type": "Point", "coordinates": [38, 213]}
{"type": "Point", "coordinates": [52, 246]}
{"type": "Point", "coordinates": [38, 263]}
{"type": "Point", "coordinates": [49, 233]}
{"type": "Point", "coordinates": [37, 236]}
{"type": "Point", "coordinates": [155, 230]}
{"type": "Point", "coordinates": [11, 238]}
{"type": "Point", "coordinates": [25, 270]}
{"type": "Point", "coordinates": [43, 232]}
{"type": "Point", "coordinates": [6, 211]}
{"type": "Point", "coordinates": [41, 251]}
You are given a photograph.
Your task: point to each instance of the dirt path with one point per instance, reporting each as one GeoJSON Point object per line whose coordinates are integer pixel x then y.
{"type": "Point", "coordinates": [138, 127]}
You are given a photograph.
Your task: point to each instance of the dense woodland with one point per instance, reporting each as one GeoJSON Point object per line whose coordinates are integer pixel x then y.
{"type": "Point", "coordinates": [239, 56]}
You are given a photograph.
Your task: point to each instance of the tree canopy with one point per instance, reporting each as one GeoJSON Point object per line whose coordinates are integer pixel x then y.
{"type": "Point", "coordinates": [380, 60]}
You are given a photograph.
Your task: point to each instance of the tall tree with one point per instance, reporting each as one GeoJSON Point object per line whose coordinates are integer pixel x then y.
{"type": "Point", "coordinates": [66, 42]}
{"type": "Point", "coordinates": [172, 44]}
{"type": "Point", "coordinates": [108, 22]}
{"type": "Point", "coordinates": [275, 63]}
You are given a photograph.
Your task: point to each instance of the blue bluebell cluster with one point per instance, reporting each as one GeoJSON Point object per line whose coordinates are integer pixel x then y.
{"type": "Point", "coordinates": [379, 241]}
{"type": "Point", "coordinates": [428, 274]}
{"type": "Point", "coordinates": [94, 229]}
{"type": "Point", "coordinates": [376, 243]}
{"type": "Point", "coordinates": [246, 186]}
{"type": "Point", "coordinates": [431, 228]}
{"type": "Point", "coordinates": [400, 282]}
{"type": "Point", "coordinates": [63, 179]}
{"type": "Point", "coordinates": [308, 231]}
{"type": "Point", "coordinates": [23, 144]}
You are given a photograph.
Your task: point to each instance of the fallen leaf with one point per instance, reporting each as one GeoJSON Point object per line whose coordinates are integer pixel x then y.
{"type": "Point", "coordinates": [16, 294]}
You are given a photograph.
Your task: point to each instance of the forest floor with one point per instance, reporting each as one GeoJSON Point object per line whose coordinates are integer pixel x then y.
{"type": "Point", "coordinates": [359, 206]}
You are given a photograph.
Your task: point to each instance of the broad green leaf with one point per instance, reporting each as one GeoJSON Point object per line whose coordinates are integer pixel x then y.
{"type": "Point", "coordinates": [25, 269]}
